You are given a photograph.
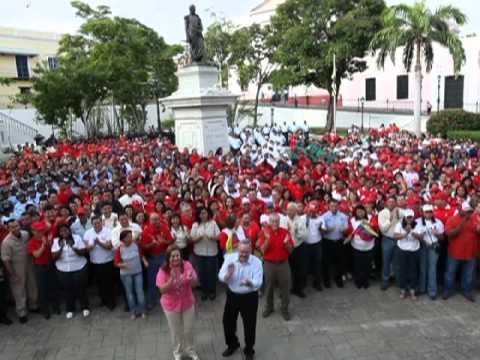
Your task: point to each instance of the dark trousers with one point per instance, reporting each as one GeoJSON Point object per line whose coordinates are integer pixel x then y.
{"type": "Point", "coordinates": [333, 256]}
{"type": "Point", "coordinates": [313, 256]}
{"type": "Point", "coordinates": [298, 267]}
{"type": "Point", "coordinates": [74, 284]}
{"type": "Point", "coordinates": [207, 268]}
{"type": "Point", "coordinates": [246, 305]}
{"type": "Point", "coordinates": [407, 269]}
{"type": "Point", "coordinates": [3, 298]}
{"type": "Point", "coordinates": [362, 263]}
{"type": "Point", "coordinates": [47, 284]}
{"type": "Point", "coordinates": [105, 280]}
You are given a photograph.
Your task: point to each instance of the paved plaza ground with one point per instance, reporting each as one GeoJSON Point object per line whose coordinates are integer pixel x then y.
{"type": "Point", "coordinates": [334, 324]}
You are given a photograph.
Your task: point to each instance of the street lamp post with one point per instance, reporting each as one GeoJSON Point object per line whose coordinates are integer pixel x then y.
{"type": "Point", "coordinates": [438, 92]}
{"type": "Point", "coordinates": [363, 104]}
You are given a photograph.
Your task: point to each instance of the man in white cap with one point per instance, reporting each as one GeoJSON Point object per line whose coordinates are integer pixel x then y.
{"type": "Point", "coordinates": [463, 232]}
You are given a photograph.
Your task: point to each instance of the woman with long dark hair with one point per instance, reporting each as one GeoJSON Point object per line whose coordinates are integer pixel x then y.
{"type": "Point", "coordinates": [204, 235]}
{"type": "Point", "coordinates": [175, 281]}
{"type": "Point", "coordinates": [408, 246]}
{"type": "Point", "coordinates": [69, 253]}
{"type": "Point", "coordinates": [362, 237]}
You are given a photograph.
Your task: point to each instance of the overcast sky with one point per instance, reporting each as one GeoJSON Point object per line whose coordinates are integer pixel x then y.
{"type": "Point", "coordinates": [165, 16]}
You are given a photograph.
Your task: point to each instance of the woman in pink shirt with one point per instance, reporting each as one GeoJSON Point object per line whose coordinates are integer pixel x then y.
{"type": "Point", "coordinates": [175, 280]}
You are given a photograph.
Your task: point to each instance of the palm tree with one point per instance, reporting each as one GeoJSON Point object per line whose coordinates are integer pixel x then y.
{"type": "Point", "coordinates": [416, 28]}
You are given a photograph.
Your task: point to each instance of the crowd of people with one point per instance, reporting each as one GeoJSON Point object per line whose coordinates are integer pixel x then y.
{"type": "Point", "coordinates": [149, 222]}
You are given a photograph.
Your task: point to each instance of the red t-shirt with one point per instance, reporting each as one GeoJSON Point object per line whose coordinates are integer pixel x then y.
{"type": "Point", "coordinates": [464, 246]}
{"type": "Point", "coordinates": [277, 251]}
{"type": "Point", "coordinates": [252, 231]}
{"type": "Point", "coordinates": [33, 245]}
{"type": "Point", "coordinates": [151, 233]}
{"type": "Point", "coordinates": [223, 238]}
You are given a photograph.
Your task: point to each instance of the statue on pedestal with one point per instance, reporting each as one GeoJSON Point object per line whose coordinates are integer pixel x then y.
{"type": "Point", "coordinates": [194, 31]}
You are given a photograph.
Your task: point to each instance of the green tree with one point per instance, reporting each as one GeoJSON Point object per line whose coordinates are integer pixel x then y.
{"type": "Point", "coordinates": [252, 51]}
{"type": "Point", "coordinates": [308, 33]}
{"type": "Point", "coordinates": [416, 28]}
{"type": "Point", "coordinates": [112, 60]}
{"type": "Point", "coordinates": [218, 40]}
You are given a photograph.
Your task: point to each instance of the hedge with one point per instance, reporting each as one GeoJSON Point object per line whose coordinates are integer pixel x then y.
{"type": "Point", "coordinates": [464, 135]}
{"type": "Point", "coordinates": [453, 120]}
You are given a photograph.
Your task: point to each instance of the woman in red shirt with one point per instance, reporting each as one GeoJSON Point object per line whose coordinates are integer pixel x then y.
{"type": "Point", "coordinates": [39, 247]}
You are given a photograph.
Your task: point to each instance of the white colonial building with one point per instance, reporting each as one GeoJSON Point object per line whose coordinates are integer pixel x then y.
{"type": "Point", "coordinates": [390, 88]}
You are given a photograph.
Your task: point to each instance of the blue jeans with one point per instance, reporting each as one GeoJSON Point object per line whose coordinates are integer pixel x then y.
{"type": "Point", "coordinates": [388, 253]}
{"type": "Point", "coordinates": [207, 268]}
{"type": "Point", "coordinates": [153, 294]}
{"type": "Point", "coordinates": [407, 275]}
{"type": "Point", "coordinates": [468, 274]}
{"type": "Point", "coordinates": [427, 281]}
{"type": "Point", "coordinates": [133, 285]}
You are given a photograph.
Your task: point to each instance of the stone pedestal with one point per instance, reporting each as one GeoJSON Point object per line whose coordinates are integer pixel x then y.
{"type": "Point", "coordinates": [200, 109]}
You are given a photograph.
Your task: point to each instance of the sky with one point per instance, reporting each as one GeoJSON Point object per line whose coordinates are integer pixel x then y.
{"type": "Point", "coordinates": [165, 16]}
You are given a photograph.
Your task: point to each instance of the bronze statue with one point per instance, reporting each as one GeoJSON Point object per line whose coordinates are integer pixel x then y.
{"type": "Point", "coordinates": [194, 29]}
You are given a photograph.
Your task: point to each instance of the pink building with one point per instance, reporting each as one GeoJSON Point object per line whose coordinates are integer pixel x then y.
{"type": "Point", "coordinates": [391, 88]}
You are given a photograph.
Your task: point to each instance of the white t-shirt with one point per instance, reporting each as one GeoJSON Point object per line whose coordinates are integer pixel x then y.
{"type": "Point", "coordinates": [357, 242]}
{"type": "Point", "coordinates": [99, 255]}
{"type": "Point", "coordinates": [69, 261]}
{"type": "Point", "coordinates": [313, 229]}
{"type": "Point", "coordinates": [408, 241]}
{"type": "Point", "coordinates": [428, 229]}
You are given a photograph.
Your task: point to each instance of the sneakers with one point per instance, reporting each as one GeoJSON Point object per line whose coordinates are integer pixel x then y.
{"type": "Point", "coordinates": [286, 315]}
{"type": "Point", "coordinates": [193, 355]}
{"type": "Point", "coordinates": [69, 315]}
{"type": "Point", "coordinates": [86, 313]}
{"type": "Point", "coordinates": [402, 294]}
{"type": "Point", "coordinates": [412, 295]}
{"type": "Point", "coordinates": [133, 317]}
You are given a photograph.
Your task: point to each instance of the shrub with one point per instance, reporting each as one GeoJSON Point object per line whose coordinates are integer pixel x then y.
{"type": "Point", "coordinates": [464, 135]}
{"type": "Point", "coordinates": [453, 120]}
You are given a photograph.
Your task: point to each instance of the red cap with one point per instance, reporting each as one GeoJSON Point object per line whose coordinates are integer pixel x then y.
{"type": "Point", "coordinates": [81, 211]}
{"type": "Point", "coordinates": [39, 226]}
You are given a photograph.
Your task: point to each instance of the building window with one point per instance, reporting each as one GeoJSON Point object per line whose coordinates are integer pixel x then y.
{"type": "Point", "coordinates": [370, 89]}
{"type": "Point", "coordinates": [402, 87]}
{"type": "Point", "coordinates": [22, 67]}
{"type": "Point", "coordinates": [53, 63]}
{"type": "Point", "coordinates": [25, 90]}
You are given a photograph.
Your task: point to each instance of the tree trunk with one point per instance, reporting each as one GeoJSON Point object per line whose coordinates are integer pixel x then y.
{"type": "Point", "coordinates": [255, 115]}
{"type": "Point", "coordinates": [329, 124]}
{"type": "Point", "coordinates": [417, 108]}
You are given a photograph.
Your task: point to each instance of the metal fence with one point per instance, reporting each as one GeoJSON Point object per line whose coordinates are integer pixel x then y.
{"type": "Point", "coordinates": [13, 132]}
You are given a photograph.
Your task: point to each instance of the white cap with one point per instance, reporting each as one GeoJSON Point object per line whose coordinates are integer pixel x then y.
{"type": "Point", "coordinates": [466, 206]}
{"type": "Point", "coordinates": [408, 213]}
{"type": "Point", "coordinates": [427, 207]}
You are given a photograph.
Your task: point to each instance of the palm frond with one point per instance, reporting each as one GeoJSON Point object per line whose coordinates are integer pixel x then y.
{"type": "Point", "coordinates": [408, 52]}
{"type": "Point", "coordinates": [428, 54]}
{"type": "Point", "coordinates": [448, 12]}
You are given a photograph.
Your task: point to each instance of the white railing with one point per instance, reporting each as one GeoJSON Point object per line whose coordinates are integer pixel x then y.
{"type": "Point", "coordinates": [14, 132]}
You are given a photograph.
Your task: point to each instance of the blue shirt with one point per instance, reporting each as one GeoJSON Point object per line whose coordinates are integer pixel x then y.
{"type": "Point", "coordinates": [251, 270]}
{"type": "Point", "coordinates": [338, 222]}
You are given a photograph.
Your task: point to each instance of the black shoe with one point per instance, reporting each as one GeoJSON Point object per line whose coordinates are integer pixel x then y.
{"type": "Point", "coordinates": [46, 315]}
{"type": "Point", "coordinates": [469, 297]}
{"type": "Point", "coordinates": [212, 297]}
{"type": "Point", "coordinates": [23, 319]}
{"type": "Point", "coordinates": [286, 315]}
{"type": "Point", "coordinates": [267, 312]}
{"type": "Point", "coordinates": [446, 295]}
{"type": "Point", "coordinates": [327, 285]}
{"type": "Point", "coordinates": [299, 293]}
{"type": "Point", "coordinates": [204, 297]}
{"type": "Point", "coordinates": [339, 283]}
{"type": "Point", "coordinates": [384, 286]}
{"type": "Point", "coordinates": [318, 287]}
{"type": "Point", "coordinates": [249, 357]}
{"type": "Point", "coordinates": [230, 351]}
{"type": "Point", "coordinates": [432, 297]}
{"type": "Point", "coordinates": [5, 321]}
